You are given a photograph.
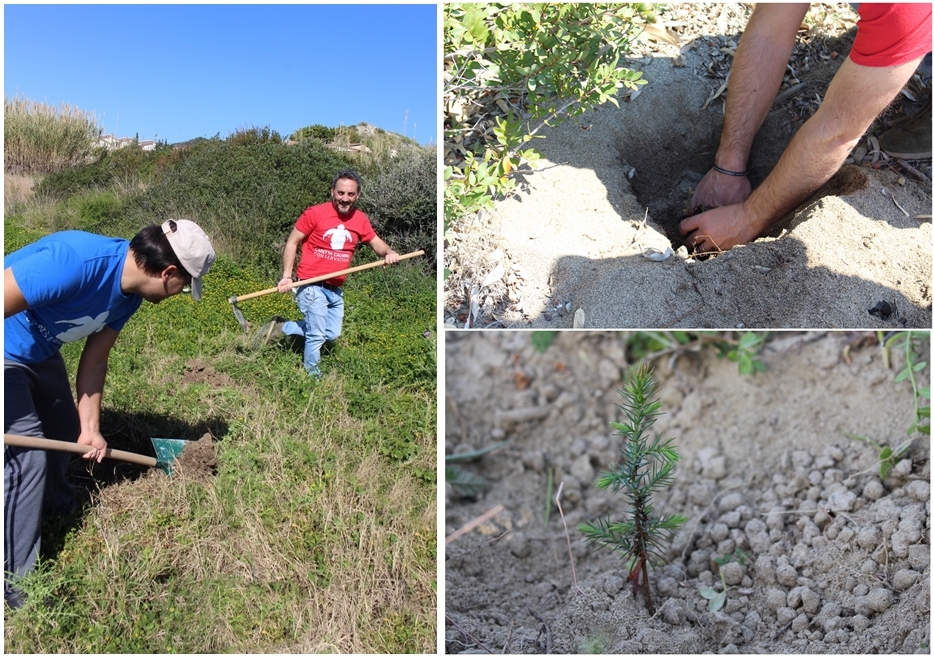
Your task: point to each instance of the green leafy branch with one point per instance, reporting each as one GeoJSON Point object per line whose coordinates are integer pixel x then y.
{"type": "Point", "coordinates": [512, 69]}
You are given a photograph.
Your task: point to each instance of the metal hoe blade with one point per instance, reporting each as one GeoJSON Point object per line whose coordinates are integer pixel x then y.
{"type": "Point", "coordinates": [239, 315]}
{"type": "Point", "coordinates": [167, 451]}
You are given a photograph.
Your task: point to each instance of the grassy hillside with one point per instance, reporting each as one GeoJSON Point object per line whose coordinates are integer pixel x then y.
{"type": "Point", "coordinates": [314, 528]}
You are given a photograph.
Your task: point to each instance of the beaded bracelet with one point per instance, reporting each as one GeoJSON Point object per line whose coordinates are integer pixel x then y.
{"type": "Point", "coordinates": [730, 173]}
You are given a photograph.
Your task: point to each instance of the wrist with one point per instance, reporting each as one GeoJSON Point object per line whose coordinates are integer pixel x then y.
{"type": "Point", "coordinates": [733, 162]}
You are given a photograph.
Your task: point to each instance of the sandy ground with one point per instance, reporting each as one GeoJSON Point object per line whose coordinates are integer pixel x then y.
{"type": "Point", "coordinates": [824, 556]}
{"type": "Point", "coordinates": [571, 238]}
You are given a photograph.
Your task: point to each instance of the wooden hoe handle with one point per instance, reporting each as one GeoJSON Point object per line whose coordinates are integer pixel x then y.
{"type": "Point", "coordinates": [67, 446]}
{"type": "Point", "coordinates": [325, 277]}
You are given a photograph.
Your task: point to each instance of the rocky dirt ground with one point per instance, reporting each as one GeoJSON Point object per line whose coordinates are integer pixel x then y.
{"type": "Point", "coordinates": [616, 182]}
{"type": "Point", "coordinates": [824, 555]}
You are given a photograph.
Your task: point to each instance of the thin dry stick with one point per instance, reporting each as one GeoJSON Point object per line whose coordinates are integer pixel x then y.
{"type": "Point", "coordinates": [682, 316]}
{"type": "Point", "coordinates": [473, 524]}
{"type": "Point", "coordinates": [914, 172]}
{"type": "Point", "coordinates": [566, 535]}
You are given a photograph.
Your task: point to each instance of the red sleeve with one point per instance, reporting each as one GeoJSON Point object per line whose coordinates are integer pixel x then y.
{"type": "Point", "coordinates": [366, 229]}
{"type": "Point", "coordinates": [307, 221]}
{"type": "Point", "coordinates": [889, 34]}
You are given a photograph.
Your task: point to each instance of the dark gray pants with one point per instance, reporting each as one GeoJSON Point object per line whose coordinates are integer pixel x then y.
{"type": "Point", "coordinates": [37, 401]}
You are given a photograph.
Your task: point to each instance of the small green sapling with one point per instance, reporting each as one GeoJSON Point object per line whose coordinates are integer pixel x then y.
{"type": "Point", "coordinates": [645, 468]}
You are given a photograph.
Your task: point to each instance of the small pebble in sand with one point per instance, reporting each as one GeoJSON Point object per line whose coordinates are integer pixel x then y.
{"type": "Point", "coordinates": [904, 578]}
{"type": "Point", "coordinates": [878, 600]}
{"type": "Point", "coordinates": [873, 489]}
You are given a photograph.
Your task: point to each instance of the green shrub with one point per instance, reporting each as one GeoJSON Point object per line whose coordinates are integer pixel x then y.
{"type": "Point", "coordinates": [97, 212]}
{"type": "Point", "coordinates": [254, 135]}
{"type": "Point", "coordinates": [523, 66]}
{"type": "Point", "coordinates": [127, 169]}
{"type": "Point", "coordinates": [316, 131]}
{"type": "Point", "coordinates": [401, 200]}
{"type": "Point", "coordinates": [402, 194]}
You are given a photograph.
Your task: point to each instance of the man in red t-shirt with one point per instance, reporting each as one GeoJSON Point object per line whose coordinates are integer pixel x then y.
{"type": "Point", "coordinates": [328, 233]}
{"type": "Point", "coordinates": [891, 40]}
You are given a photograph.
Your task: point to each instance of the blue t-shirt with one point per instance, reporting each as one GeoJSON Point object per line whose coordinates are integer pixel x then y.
{"type": "Point", "coordinates": [71, 282]}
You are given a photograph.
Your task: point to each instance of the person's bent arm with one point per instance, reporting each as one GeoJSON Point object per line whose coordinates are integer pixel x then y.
{"type": "Point", "coordinates": [89, 385]}
{"type": "Point", "coordinates": [384, 251]}
{"type": "Point", "coordinates": [13, 300]}
{"type": "Point", "coordinates": [755, 78]}
{"type": "Point", "coordinates": [855, 97]}
{"type": "Point", "coordinates": [288, 259]}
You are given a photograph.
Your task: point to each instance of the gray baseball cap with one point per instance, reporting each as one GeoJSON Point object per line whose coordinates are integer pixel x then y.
{"type": "Point", "coordinates": [193, 248]}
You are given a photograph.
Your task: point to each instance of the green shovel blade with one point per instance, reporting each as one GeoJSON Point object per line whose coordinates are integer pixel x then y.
{"type": "Point", "coordinates": [167, 451]}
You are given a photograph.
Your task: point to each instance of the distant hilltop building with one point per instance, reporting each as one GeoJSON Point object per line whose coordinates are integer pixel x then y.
{"type": "Point", "coordinates": [112, 143]}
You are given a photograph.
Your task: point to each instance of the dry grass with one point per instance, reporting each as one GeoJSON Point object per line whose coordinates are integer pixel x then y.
{"type": "Point", "coordinates": [42, 138]}
{"type": "Point", "coordinates": [349, 518]}
{"type": "Point", "coordinates": [18, 189]}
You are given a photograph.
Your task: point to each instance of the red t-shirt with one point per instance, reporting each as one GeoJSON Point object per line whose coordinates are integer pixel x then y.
{"type": "Point", "coordinates": [330, 241]}
{"type": "Point", "coordinates": [889, 34]}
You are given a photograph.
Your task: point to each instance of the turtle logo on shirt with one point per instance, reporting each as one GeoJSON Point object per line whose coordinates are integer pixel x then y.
{"type": "Point", "coordinates": [84, 326]}
{"type": "Point", "coordinates": [338, 236]}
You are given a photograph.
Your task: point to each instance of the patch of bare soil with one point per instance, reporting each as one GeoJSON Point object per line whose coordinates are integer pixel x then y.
{"type": "Point", "coordinates": [617, 181]}
{"type": "Point", "coordinates": [824, 556]}
{"type": "Point", "coordinates": [199, 371]}
{"type": "Point", "coordinates": [198, 459]}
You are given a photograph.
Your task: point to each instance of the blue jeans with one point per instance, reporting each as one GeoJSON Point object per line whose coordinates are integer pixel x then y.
{"type": "Point", "coordinates": [323, 310]}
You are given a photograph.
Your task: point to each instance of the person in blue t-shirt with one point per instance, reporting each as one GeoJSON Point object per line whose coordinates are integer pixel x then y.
{"type": "Point", "coordinates": [62, 288]}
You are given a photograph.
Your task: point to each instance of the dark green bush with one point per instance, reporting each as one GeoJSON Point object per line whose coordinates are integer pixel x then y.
{"type": "Point", "coordinates": [316, 131]}
{"type": "Point", "coordinates": [98, 212]}
{"type": "Point", "coordinates": [64, 183]}
{"type": "Point", "coordinates": [255, 135]}
{"type": "Point", "coordinates": [250, 194]}
{"type": "Point", "coordinates": [127, 167]}
{"type": "Point", "coordinates": [401, 197]}
{"type": "Point", "coordinates": [246, 191]}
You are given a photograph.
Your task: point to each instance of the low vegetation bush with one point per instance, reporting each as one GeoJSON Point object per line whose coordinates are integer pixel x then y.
{"type": "Point", "coordinates": [247, 191]}
{"type": "Point", "coordinates": [511, 69]}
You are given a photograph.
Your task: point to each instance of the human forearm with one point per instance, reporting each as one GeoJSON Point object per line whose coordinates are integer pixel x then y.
{"type": "Point", "coordinates": [755, 78]}
{"type": "Point", "coordinates": [89, 385]}
{"type": "Point", "coordinates": [815, 153]}
{"type": "Point", "coordinates": [288, 259]}
{"type": "Point", "coordinates": [855, 97]}
{"type": "Point", "coordinates": [384, 251]}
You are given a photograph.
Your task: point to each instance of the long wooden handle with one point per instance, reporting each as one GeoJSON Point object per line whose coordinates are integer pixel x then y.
{"type": "Point", "coordinates": [67, 446]}
{"type": "Point", "coordinates": [317, 279]}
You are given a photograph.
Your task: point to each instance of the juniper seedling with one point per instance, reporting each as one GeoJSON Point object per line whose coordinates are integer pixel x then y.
{"type": "Point", "coordinates": [645, 468]}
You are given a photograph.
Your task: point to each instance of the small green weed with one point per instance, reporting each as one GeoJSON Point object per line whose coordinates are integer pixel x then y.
{"type": "Point", "coordinates": [744, 353]}
{"type": "Point", "coordinates": [911, 342]}
{"type": "Point", "coordinates": [715, 599]}
{"type": "Point", "coordinates": [542, 339]}
{"type": "Point", "coordinates": [887, 456]}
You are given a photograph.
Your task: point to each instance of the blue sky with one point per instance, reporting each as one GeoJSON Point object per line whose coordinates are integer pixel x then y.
{"type": "Point", "coordinates": [176, 72]}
